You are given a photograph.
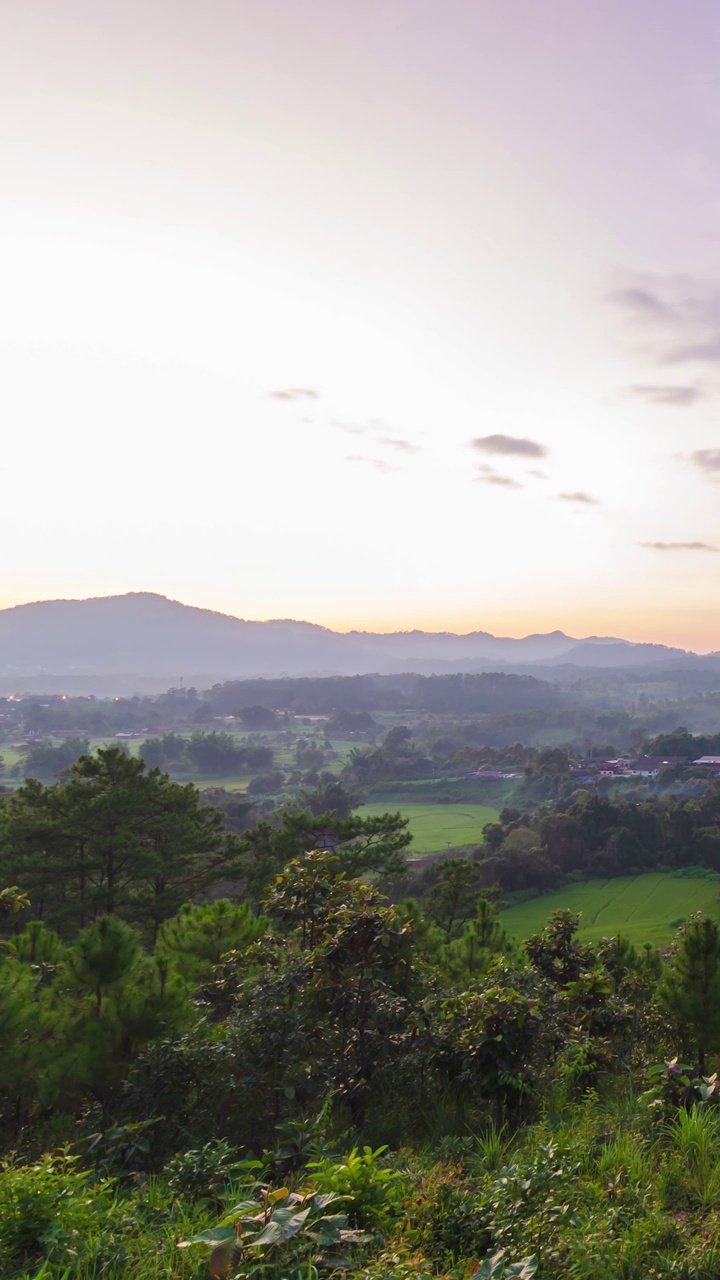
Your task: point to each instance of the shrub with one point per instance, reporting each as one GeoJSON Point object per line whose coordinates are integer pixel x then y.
{"type": "Point", "coordinates": [48, 1210]}
{"type": "Point", "coordinates": [370, 1186]}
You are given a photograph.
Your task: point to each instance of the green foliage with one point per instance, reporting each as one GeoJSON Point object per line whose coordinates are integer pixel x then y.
{"type": "Point", "coordinates": [196, 938]}
{"type": "Point", "coordinates": [121, 1151]}
{"type": "Point", "coordinates": [336, 1014]}
{"type": "Point", "coordinates": [207, 1173]}
{"type": "Point", "coordinates": [103, 954]}
{"type": "Point", "coordinates": [695, 1135]}
{"type": "Point", "coordinates": [292, 1222]}
{"type": "Point", "coordinates": [448, 1220]}
{"type": "Point", "coordinates": [690, 991]}
{"type": "Point", "coordinates": [324, 1036]}
{"type": "Point", "coordinates": [114, 838]}
{"type": "Point", "coordinates": [12, 900]}
{"type": "Point", "coordinates": [498, 1267]}
{"type": "Point", "coordinates": [364, 844]}
{"type": "Point", "coordinates": [39, 946]}
{"type": "Point", "coordinates": [362, 1178]}
{"type": "Point", "coordinates": [453, 898]}
{"type": "Point", "coordinates": [480, 940]}
{"type": "Point", "coordinates": [43, 760]}
{"type": "Point", "coordinates": [532, 1198]}
{"type": "Point", "coordinates": [46, 1208]}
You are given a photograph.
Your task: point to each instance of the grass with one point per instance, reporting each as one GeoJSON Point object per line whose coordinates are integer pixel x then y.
{"type": "Point", "coordinates": [643, 908]}
{"type": "Point", "coordinates": [435, 826]}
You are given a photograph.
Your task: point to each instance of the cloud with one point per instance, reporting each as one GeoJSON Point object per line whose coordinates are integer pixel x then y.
{"type": "Point", "coordinates": [295, 393]}
{"type": "Point", "coordinates": [695, 353]}
{"type": "Point", "coordinates": [683, 314]}
{"type": "Point", "coordinates": [579, 497]}
{"type": "Point", "coordinates": [677, 546]}
{"type": "Point", "coordinates": [491, 477]}
{"type": "Point", "coordinates": [351, 428]}
{"type": "Point", "coordinates": [537, 475]}
{"type": "Point", "coordinates": [664, 395]}
{"type": "Point", "coordinates": [639, 302]}
{"type": "Point", "coordinates": [509, 445]}
{"type": "Point", "coordinates": [708, 460]}
{"type": "Point", "coordinates": [377, 463]}
{"type": "Point", "coordinates": [403, 446]}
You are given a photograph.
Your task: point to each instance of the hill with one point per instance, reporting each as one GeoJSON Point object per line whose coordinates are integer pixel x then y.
{"type": "Point", "coordinates": [149, 637]}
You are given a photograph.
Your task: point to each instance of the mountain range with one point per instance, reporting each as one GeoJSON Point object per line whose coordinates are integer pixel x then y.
{"type": "Point", "coordinates": [153, 643]}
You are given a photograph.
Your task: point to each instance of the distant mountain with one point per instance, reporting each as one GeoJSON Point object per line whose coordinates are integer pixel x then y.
{"type": "Point", "coordinates": [154, 641]}
{"type": "Point", "coordinates": [614, 653]}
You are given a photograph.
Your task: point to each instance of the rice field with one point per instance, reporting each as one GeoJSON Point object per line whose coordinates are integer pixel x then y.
{"type": "Point", "coordinates": [437, 827]}
{"type": "Point", "coordinates": [643, 908]}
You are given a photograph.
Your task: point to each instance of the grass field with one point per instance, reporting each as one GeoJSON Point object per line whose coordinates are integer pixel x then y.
{"type": "Point", "coordinates": [645, 908]}
{"type": "Point", "coordinates": [435, 826]}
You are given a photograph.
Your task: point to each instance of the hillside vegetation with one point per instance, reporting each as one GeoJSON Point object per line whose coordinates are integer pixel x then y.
{"type": "Point", "coordinates": [240, 1041]}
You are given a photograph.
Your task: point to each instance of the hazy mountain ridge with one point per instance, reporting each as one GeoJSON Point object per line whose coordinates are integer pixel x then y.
{"type": "Point", "coordinates": [147, 635]}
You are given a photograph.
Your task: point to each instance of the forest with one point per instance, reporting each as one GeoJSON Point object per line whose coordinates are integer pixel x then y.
{"type": "Point", "coordinates": [274, 1052]}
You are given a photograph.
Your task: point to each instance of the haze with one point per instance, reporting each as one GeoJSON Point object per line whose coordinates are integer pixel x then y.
{"type": "Point", "coordinates": [381, 315]}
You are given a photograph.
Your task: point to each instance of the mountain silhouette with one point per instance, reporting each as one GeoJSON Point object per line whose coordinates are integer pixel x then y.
{"type": "Point", "coordinates": [146, 636]}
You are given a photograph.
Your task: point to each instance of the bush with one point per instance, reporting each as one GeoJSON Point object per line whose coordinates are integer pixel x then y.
{"type": "Point", "coordinates": [48, 1210]}
{"type": "Point", "coordinates": [206, 1173]}
{"type": "Point", "coordinates": [370, 1186]}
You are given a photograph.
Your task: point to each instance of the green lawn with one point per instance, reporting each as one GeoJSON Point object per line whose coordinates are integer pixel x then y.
{"type": "Point", "coordinates": [645, 908]}
{"type": "Point", "coordinates": [435, 826]}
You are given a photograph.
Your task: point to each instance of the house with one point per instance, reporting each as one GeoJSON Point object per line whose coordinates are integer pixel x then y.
{"type": "Point", "coordinates": [709, 762]}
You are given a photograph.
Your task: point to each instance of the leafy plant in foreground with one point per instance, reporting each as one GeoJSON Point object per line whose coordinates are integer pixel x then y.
{"type": "Point", "coordinates": [252, 1229]}
{"type": "Point", "coordinates": [498, 1268]}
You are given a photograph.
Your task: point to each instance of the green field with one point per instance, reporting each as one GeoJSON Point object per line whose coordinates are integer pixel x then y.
{"type": "Point", "coordinates": [646, 908]}
{"type": "Point", "coordinates": [437, 826]}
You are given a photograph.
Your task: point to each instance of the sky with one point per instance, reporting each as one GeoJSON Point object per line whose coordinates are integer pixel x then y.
{"type": "Point", "coordinates": [392, 314]}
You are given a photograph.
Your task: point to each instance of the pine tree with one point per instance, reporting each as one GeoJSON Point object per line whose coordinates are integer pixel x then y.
{"type": "Point", "coordinates": [690, 991]}
{"type": "Point", "coordinates": [114, 838]}
{"type": "Point", "coordinates": [103, 955]}
{"type": "Point", "coordinates": [194, 940]}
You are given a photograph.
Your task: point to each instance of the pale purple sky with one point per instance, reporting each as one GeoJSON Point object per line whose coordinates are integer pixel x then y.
{"type": "Point", "coordinates": [377, 314]}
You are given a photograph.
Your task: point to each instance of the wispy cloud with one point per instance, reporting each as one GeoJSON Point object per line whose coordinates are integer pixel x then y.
{"type": "Point", "coordinates": [377, 463]}
{"type": "Point", "coordinates": [537, 475]}
{"type": "Point", "coordinates": [493, 478]}
{"type": "Point", "coordinates": [295, 393]}
{"type": "Point", "coordinates": [693, 353]}
{"type": "Point", "coordinates": [518, 446]}
{"type": "Point", "coordinates": [679, 317]}
{"type": "Point", "coordinates": [580, 496]}
{"type": "Point", "coordinates": [707, 460]}
{"type": "Point", "coordinates": [352, 428]}
{"type": "Point", "coordinates": [678, 546]}
{"type": "Point", "coordinates": [403, 446]}
{"type": "Point", "coordinates": [643, 303]}
{"type": "Point", "coordinates": [664, 395]}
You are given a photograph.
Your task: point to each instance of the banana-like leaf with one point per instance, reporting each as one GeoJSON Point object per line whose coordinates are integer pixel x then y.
{"type": "Point", "coordinates": [283, 1225]}
{"type": "Point", "coordinates": [322, 1202]}
{"type": "Point", "coordinates": [327, 1230]}
{"type": "Point", "coordinates": [220, 1260]}
{"type": "Point", "coordinates": [213, 1237]}
{"type": "Point", "coordinates": [238, 1211]}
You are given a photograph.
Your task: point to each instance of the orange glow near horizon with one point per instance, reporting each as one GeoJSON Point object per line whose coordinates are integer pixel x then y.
{"type": "Point", "coordinates": [698, 634]}
{"type": "Point", "coordinates": [693, 627]}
